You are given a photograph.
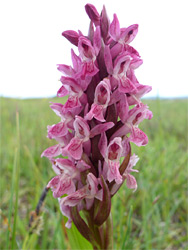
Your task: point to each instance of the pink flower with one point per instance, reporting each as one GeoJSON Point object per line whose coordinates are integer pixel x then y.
{"type": "Point", "coordinates": [66, 211]}
{"type": "Point", "coordinates": [112, 160]}
{"type": "Point", "coordinates": [122, 36]}
{"type": "Point", "coordinates": [52, 151]}
{"type": "Point", "coordinates": [135, 116]}
{"type": "Point", "coordinates": [121, 66]}
{"type": "Point", "coordinates": [131, 181]}
{"type": "Point", "coordinates": [61, 184]}
{"type": "Point", "coordinates": [73, 105]}
{"type": "Point", "coordinates": [57, 130]}
{"type": "Point", "coordinates": [112, 154]}
{"type": "Point", "coordinates": [87, 52]}
{"type": "Point", "coordinates": [82, 137]}
{"type": "Point", "coordinates": [89, 191]}
{"type": "Point", "coordinates": [98, 121]}
{"type": "Point", "coordinates": [88, 56]}
{"type": "Point", "coordinates": [64, 182]}
{"type": "Point", "coordinates": [101, 100]}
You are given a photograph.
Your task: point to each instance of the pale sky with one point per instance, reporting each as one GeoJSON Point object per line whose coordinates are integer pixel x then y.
{"type": "Point", "coordinates": [31, 43]}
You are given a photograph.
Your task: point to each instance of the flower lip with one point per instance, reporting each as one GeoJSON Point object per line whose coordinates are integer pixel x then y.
{"type": "Point", "coordinates": [81, 127]}
{"type": "Point", "coordinates": [102, 93]}
{"type": "Point", "coordinates": [128, 34]}
{"type": "Point", "coordinates": [112, 154]}
{"type": "Point", "coordinates": [87, 52]}
{"type": "Point", "coordinates": [102, 98]}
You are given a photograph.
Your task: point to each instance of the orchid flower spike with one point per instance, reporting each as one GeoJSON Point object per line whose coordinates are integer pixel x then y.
{"type": "Point", "coordinates": [99, 120]}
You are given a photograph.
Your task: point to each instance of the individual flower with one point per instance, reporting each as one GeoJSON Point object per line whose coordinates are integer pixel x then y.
{"type": "Point", "coordinates": [87, 192]}
{"type": "Point", "coordinates": [67, 172]}
{"type": "Point", "coordinates": [101, 100]}
{"type": "Point", "coordinates": [82, 137]}
{"type": "Point", "coordinates": [112, 154]}
{"type": "Point", "coordinates": [131, 181]}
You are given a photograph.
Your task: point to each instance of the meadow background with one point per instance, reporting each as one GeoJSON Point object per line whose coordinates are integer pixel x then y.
{"type": "Point", "coordinates": [154, 217]}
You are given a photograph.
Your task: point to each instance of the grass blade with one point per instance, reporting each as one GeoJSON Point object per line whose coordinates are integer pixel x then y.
{"type": "Point", "coordinates": [127, 235]}
{"type": "Point", "coordinates": [17, 177]}
{"type": "Point", "coordinates": [11, 197]}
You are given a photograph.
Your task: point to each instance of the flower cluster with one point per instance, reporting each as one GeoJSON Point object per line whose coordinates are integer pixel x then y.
{"type": "Point", "coordinates": [99, 119]}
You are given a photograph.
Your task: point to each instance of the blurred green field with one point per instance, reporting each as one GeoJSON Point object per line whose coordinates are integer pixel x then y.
{"type": "Point", "coordinates": [154, 217]}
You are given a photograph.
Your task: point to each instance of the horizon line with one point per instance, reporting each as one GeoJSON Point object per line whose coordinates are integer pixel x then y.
{"type": "Point", "coordinates": [48, 97]}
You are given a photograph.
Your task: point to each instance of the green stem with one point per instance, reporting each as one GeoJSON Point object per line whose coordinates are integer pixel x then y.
{"type": "Point", "coordinates": [108, 233]}
{"type": "Point", "coordinates": [103, 234]}
{"type": "Point", "coordinates": [94, 228]}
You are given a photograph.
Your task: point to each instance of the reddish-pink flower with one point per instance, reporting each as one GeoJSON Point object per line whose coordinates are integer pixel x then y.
{"type": "Point", "coordinates": [98, 121]}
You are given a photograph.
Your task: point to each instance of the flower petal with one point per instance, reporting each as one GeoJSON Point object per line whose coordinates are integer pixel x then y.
{"type": "Point", "coordinates": [85, 48]}
{"type": "Point", "coordinates": [66, 212]}
{"type": "Point", "coordinates": [135, 63]}
{"type": "Point", "coordinates": [61, 185]}
{"type": "Point", "coordinates": [121, 64]}
{"type": "Point", "coordinates": [74, 148]}
{"type": "Point", "coordinates": [92, 13]}
{"type": "Point", "coordinates": [100, 128]}
{"type": "Point", "coordinates": [75, 198]}
{"type": "Point", "coordinates": [65, 69]}
{"type": "Point", "coordinates": [92, 185]}
{"type": "Point", "coordinates": [123, 108]}
{"type": "Point", "coordinates": [97, 40]}
{"type": "Point", "coordinates": [113, 172]}
{"type": "Point", "coordinates": [103, 144]}
{"type": "Point", "coordinates": [81, 127]}
{"type": "Point", "coordinates": [102, 93]}
{"type": "Point", "coordinates": [72, 83]}
{"type": "Point", "coordinates": [72, 36]}
{"type": "Point", "coordinates": [82, 166]}
{"type": "Point", "coordinates": [52, 151]}
{"type": "Point", "coordinates": [108, 60]}
{"type": "Point", "coordinates": [57, 108]}
{"type": "Point", "coordinates": [76, 60]}
{"type": "Point", "coordinates": [131, 182]}
{"type": "Point", "coordinates": [104, 24]}
{"type": "Point", "coordinates": [125, 85]}
{"type": "Point", "coordinates": [62, 92]}
{"type": "Point", "coordinates": [57, 130]}
{"type": "Point", "coordinates": [96, 112]}
{"type": "Point", "coordinates": [128, 34]}
{"type": "Point", "coordinates": [115, 28]}
{"type": "Point", "coordinates": [66, 165]}
{"type": "Point", "coordinates": [138, 137]}
{"type": "Point", "coordinates": [72, 105]}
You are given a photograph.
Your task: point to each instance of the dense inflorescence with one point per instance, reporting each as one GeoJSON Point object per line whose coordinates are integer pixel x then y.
{"type": "Point", "coordinates": [99, 119]}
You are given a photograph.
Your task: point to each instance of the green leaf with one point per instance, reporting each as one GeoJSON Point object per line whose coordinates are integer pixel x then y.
{"type": "Point", "coordinates": [81, 225]}
{"type": "Point", "coordinates": [76, 240]}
